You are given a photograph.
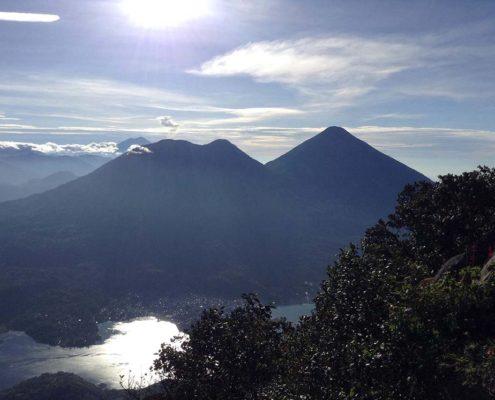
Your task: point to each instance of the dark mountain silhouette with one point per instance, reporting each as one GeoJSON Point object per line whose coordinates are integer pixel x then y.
{"type": "Point", "coordinates": [345, 174]}
{"type": "Point", "coordinates": [175, 218]}
{"type": "Point", "coordinates": [178, 211]}
{"type": "Point", "coordinates": [124, 145]}
{"type": "Point", "coordinates": [60, 386]}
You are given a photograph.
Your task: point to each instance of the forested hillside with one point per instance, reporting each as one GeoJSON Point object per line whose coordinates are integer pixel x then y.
{"type": "Point", "coordinates": [407, 314]}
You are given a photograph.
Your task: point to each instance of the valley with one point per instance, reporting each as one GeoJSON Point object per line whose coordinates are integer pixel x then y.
{"type": "Point", "coordinates": [175, 220]}
{"type": "Point", "coordinates": [247, 200]}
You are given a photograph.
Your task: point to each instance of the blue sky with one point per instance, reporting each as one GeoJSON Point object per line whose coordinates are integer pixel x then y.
{"type": "Point", "coordinates": [414, 79]}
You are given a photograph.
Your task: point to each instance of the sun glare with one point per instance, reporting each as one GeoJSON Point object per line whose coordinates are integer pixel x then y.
{"type": "Point", "coordinates": [155, 14]}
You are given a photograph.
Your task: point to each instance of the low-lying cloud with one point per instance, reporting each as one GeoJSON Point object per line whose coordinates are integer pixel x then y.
{"type": "Point", "coordinates": [103, 148]}
{"type": "Point", "coordinates": [138, 149]}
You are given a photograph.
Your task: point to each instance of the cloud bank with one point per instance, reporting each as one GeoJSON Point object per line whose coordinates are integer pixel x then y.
{"type": "Point", "coordinates": [104, 148]}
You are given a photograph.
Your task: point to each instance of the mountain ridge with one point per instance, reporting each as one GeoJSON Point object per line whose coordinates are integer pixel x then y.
{"type": "Point", "coordinates": [174, 218]}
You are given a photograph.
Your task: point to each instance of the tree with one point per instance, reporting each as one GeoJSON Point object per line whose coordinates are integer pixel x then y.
{"type": "Point", "coordinates": [234, 355]}
{"type": "Point", "coordinates": [445, 218]}
{"type": "Point", "coordinates": [377, 333]}
{"type": "Point", "coordinates": [341, 350]}
{"type": "Point", "coordinates": [440, 336]}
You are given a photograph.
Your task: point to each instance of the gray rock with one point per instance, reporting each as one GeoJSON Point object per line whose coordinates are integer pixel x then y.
{"type": "Point", "coordinates": [488, 271]}
{"type": "Point", "coordinates": [453, 264]}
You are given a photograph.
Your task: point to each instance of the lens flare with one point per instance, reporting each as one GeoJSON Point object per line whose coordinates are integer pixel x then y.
{"type": "Point", "coordinates": [156, 14]}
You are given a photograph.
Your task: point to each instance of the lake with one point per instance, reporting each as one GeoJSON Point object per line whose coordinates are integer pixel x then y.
{"type": "Point", "coordinates": [129, 348]}
{"type": "Point", "coordinates": [293, 312]}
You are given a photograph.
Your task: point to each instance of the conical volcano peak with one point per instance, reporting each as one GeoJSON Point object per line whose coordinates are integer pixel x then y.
{"type": "Point", "coordinates": [333, 143]}
{"type": "Point", "coordinates": [337, 164]}
{"type": "Point", "coordinates": [336, 134]}
{"type": "Point", "coordinates": [336, 130]}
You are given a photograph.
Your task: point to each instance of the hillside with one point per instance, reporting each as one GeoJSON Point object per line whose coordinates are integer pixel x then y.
{"type": "Point", "coordinates": [345, 173]}
{"type": "Point", "coordinates": [176, 219]}
{"type": "Point", "coordinates": [60, 386]}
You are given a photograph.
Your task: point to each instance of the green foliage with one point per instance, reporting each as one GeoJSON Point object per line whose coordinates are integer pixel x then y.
{"type": "Point", "coordinates": [443, 218]}
{"type": "Point", "coordinates": [434, 329]}
{"type": "Point", "coordinates": [380, 330]}
{"type": "Point", "coordinates": [227, 356]}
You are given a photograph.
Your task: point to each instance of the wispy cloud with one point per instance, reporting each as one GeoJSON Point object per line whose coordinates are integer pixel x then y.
{"type": "Point", "coordinates": [244, 115]}
{"type": "Point", "coordinates": [335, 71]}
{"type": "Point", "coordinates": [432, 150]}
{"type": "Point", "coordinates": [248, 115]}
{"type": "Point", "coordinates": [27, 17]}
{"type": "Point", "coordinates": [400, 116]}
{"type": "Point", "coordinates": [309, 59]}
{"type": "Point", "coordinates": [3, 117]}
{"type": "Point", "coordinates": [91, 97]}
{"type": "Point", "coordinates": [347, 67]}
{"type": "Point", "coordinates": [405, 131]}
{"type": "Point", "coordinates": [74, 105]}
{"type": "Point", "coordinates": [18, 129]}
{"type": "Point", "coordinates": [16, 126]}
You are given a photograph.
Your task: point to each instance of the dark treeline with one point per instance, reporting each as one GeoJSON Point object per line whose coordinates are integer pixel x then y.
{"type": "Point", "coordinates": [408, 314]}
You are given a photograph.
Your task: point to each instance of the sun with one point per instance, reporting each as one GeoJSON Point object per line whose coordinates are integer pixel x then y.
{"type": "Point", "coordinates": [155, 14]}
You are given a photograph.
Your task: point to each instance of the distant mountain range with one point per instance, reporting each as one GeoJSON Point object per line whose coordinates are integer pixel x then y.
{"type": "Point", "coordinates": [175, 218]}
{"type": "Point", "coordinates": [126, 144]}
{"type": "Point", "coordinates": [12, 192]}
{"type": "Point", "coordinates": [24, 171]}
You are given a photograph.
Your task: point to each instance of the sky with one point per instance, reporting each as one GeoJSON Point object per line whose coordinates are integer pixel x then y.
{"type": "Point", "coordinates": [414, 79]}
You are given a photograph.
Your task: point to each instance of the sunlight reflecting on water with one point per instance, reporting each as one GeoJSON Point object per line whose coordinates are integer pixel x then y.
{"type": "Point", "coordinates": [130, 348]}
{"type": "Point", "coordinates": [135, 344]}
